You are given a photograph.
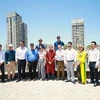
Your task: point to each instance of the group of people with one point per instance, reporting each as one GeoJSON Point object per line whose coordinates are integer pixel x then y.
{"type": "Point", "coordinates": [46, 60]}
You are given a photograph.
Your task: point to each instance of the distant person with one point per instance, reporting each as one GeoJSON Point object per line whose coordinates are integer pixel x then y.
{"type": "Point", "coordinates": [69, 60]}
{"type": "Point", "coordinates": [50, 58]}
{"type": "Point", "coordinates": [21, 60]}
{"type": "Point", "coordinates": [93, 62]}
{"type": "Point", "coordinates": [32, 60]}
{"type": "Point", "coordinates": [40, 44]}
{"type": "Point", "coordinates": [81, 65]}
{"type": "Point", "coordinates": [10, 61]}
{"type": "Point", "coordinates": [58, 42]}
{"type": "Point", "coordinates": [59, 57]}
{"type": "Point", "coordinates": [2, 59]}
{"type": "Point", "coordinates": [41, 64]}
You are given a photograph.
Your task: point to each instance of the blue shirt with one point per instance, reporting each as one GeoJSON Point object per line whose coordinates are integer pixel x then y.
{"type": "Point", "coordinates": [38, 46]}
{"type": "Point", "coordinates": [9, 56]}
{"type": "Point", "coordinates": [58, 43]}
{"type": "Point", "coordinates": [31, 55]}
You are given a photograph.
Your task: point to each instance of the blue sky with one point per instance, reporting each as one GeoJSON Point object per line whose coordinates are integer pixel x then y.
{"type": "Point", "coordinates": [48, 18]}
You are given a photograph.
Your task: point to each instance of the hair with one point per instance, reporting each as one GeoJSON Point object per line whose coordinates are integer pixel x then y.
{"type": "Point", "coordinates": [22, 41]}
{"type": "Point", "coordinates": [70, 43]}
{"type": "Point", "coordinates": [0, 45]}
{"type": "Point", "coordinates": [94, 42]}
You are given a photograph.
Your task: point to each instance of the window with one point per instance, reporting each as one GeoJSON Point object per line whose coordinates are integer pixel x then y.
{"type": "Point", "coordinates": [6, 20]}
{"type": "Point", "coordinates": [14, 19]}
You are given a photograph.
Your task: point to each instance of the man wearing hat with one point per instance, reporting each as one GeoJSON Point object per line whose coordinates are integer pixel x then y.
{"type": "Point", "coordinates": [58, 42]}
{"type": "Point", "coordinates": [40, 44]}
{"type": "Point", "coordinates": [2, 63]}
{"type": "Point", "coordinates": [10, 61]}
{"type": "Point", "coordinates": [32, 59]}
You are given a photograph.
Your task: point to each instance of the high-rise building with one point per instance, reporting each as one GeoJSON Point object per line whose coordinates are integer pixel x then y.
{"type": "Point", "coordinates": [77, 32]}
{"type": "Point", "coordinates": [16, 30]}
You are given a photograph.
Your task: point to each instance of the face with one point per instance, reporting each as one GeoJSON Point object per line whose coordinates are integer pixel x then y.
{"type": "Point", "coordinates": [41, 49]}
{"type": "Point", "coordinates": [10, 48]}
{"type": "Point", "coordinates": [40, 41]}
{"type": "Point", "coordinates": [93, 45]}
{"type": "Point", "coordinates": [0, 47]}
{"type": "Point", "coordinates": [69, 46]}
{"type": "Point", "coordinates": [21, 44]}
{"type": "Point", "coordinates": [50, 47]}
{"type": "Point", "coordinates": [80, 48]}
{"type": "Point", "coordinates": [59, 47]}
{"type": "Point", "coordinates": [58, 38]}
{"type": "Point", "coordinates": [32, 46]}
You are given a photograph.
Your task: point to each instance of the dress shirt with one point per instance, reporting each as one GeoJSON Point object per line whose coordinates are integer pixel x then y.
{"type": "Point", "coordinates": [93, 56]}
{"type": "Point", "coordinates": [70, 55]}
{"type": "Point", "coordinates": [2, 56]}
{"type": "Point", "coordinates": [9, 56]}
{"type": "Point", "coordinates": [21, 53]}
{"type": "Point", "coordinates": [31, 55]}
{"type": "Point", "coordinates": [60, 55]}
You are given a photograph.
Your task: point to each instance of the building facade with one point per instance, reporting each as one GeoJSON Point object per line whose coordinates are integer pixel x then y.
{"type": "Point", "coordinates": [15, 29]}
{"type": "Point", "coordinates": [77, 32]}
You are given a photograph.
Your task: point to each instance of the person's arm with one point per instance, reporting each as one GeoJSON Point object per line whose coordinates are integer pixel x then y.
{"type": "Point", "coordinates": [6, 57]}
{"type": "Point", "coordinates": [16, 59]}
{"type": "Point", "coordinates": [65, 62]}
{"type": "Point", "coordinates": [53, 57]}
{"type": "Point", "coordinates": [97, 62]}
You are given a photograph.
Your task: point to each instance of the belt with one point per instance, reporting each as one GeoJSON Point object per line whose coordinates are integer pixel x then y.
{"type": "Point", "coordinates": [92, 62]}
{"type": "Point", "coordinates": [21, 59]}
{"type": "Point", "coordinates": [70, 60]}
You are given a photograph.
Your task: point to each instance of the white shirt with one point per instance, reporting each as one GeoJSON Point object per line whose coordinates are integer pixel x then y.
{"type": "Point", "coordinates": [60, 55]}
{"type": "Point", "coordinates": [93, 56]}
{"type": "Point", "coordinates": [70, 55]}
{"type": "Point", "coordinates": [2, 56]}
{"type": "Point", "coordinates": [21, 53]}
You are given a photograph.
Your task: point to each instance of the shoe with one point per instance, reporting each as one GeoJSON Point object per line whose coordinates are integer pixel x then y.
{"type": "Point", "coordinates": [95, 84]}
{"type": "Point", "coordinates": [91, 82]}
{"type": "Point", "coordinates": [3, 81]}
{"type": "Point", "coordinates": [74, 82]}
{"type": "Point", "coordinates": [33, 79]}
{"type": "Point", "coordinates": [18, 80]}
{"type": "Point", "coordinates": [58, 79]}
{"type": "Point", "coordinates": [8, 80]}
{"type": "Point", "coordinates": [30, 80]}
{"type": "Point", "coordinates": [62, 79]}
{"type": "Point", "coordinates": [67, 80]}
{"type": "Point", "coordinates": [13, 79]}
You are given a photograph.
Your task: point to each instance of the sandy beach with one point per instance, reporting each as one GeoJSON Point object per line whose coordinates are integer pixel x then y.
{"type": "Point", "coordinates": [48, 90]}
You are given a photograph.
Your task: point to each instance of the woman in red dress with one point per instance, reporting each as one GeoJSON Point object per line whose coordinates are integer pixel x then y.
{"type": "Point", "coordinates": [50, 66]}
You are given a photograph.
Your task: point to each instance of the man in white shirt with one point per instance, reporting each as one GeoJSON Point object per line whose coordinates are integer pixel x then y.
{"type": "Point", "coordinates": [93, 62]}
{"type": "Point", "coordinates": [20, 59]}
{"type": "Point", "coordinates": [2, 63]}
{"type": "Point", "coordinates": [69, 60]}
{"type": "Point", "coordinates": [60, 62]}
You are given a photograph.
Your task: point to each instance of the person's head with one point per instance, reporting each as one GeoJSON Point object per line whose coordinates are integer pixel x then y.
{"type": "Point", "coordinates": [50, 47]}
{"type": "Point", "coordinates": [69, 45]}
{"type": "Point", "coordinates": [93, 45]}
{"type": "Point", "coordinates": [81, 48]}
{"type": "Point", "coordinates": [31, 45]}
{"type": "Point", "coordinates": [0, 46]}
{"type": "Point", "coordinates": [59, 47]}
{"type": "Point", "coordinates": [10, 47]}
{"type": "Point", "coordinates": [40, 41]}
{"type": "Point", "coordinates": [58, 38]}
{"type": "Point", "coordinates": [22, 43]}
{"type": "Point", "coordinates": [41, 48]}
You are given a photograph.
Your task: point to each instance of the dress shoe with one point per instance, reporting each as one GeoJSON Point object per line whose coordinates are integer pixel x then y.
{"type": "Point", "coordinates": [18, 80]}
{"type": "Point", "coordinates": [95, 84]}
